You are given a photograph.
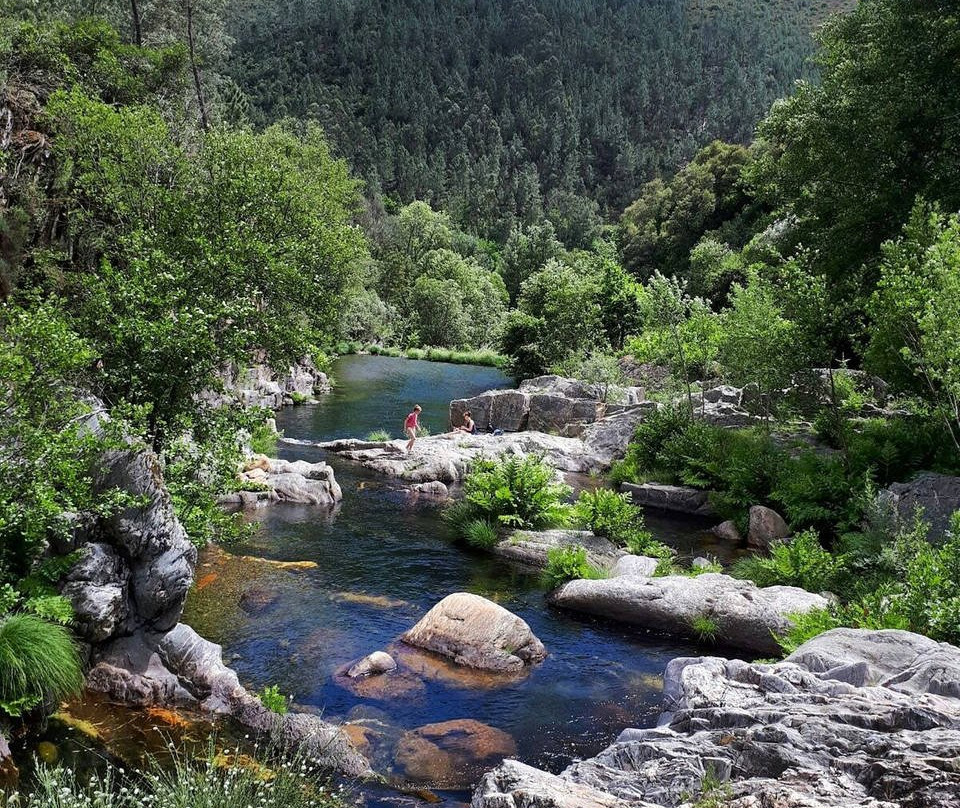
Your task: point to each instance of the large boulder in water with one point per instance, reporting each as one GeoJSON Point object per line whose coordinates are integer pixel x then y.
{"type": "Point", "coordinates": [766, 527]}
{"type": "Point", "coordinates": [477, 633]}
{"type": "Point", "coordinates": [555, 413]}
{"type": "Point", "coordinates": [853, 719]}
{"type": "Point", "coordinates": [743, 615]}
{"type": "Point", "coordinates": [530, 547]}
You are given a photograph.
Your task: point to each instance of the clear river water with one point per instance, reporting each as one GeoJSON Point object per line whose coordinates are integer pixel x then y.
{"type": "Point", "coordinates": [384, 560]}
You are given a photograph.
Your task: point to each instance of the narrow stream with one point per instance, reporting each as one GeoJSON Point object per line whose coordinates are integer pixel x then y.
{"type": "Point", "coordinates": [382, 562]}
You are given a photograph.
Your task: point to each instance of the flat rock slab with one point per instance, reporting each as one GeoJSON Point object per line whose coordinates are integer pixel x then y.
{"type": "Point", "coordinates": [530, 547]}
{"type": "Point", "coordinates": [448, 457]}
{"type": "Point", "coordinates": [676, 498]}
{"type": "Point", "coordinates": [745, 616]}
{"type": "Point", "coordinates": [477, 633]}
{"type": "Point", "coordinates": [784, 735]}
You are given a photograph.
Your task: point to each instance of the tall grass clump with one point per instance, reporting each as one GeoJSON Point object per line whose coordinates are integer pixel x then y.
{"type": "Point", "coordinates": [221, 779]}
{"type": "Point", "coordinates": [38, 662]}
{"type": "Point", "coordinates": [378, 436]}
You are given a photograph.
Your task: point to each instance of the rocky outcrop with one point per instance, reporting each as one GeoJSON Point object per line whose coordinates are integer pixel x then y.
{"type": "Point", "coordinates": [852, 719]}
{"type": "Point", "coordinates": [477, 633]}
{"type": "Point", "coordinates": [721, 406]}
{"type": "Point", "coordinates": [676, 498]}
{"type": "Point", "coordinates": [285, 481]}
{"type": "Point", "coordinates": [742, 615]}
{"type": "Point", "coordinates": [607, 439]}
{"type": "Point", "coordinates": [261, 386]}
{"type": "Point", "coordinates": [936, 496]}
{"type": "Point", "coordinates": [508, 410]}
{"type": "Point", "coordinates": [448, 457]}
{"type": "Point", "coordinates": [128, 590]}
{"type": "Point", "coordinates": [766, 527]}
{"type": "Point", "coordinates": [530, 547]}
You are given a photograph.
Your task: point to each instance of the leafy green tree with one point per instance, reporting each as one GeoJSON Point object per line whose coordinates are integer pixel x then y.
{"type": "Point", "coordinates": [915, 313]}
{"type": "Point", "coordinates": [758, 342]}
{"type": "Point", "coordinates": [846, 157]}
{"type": "Point", "coordinates": [526, 253]}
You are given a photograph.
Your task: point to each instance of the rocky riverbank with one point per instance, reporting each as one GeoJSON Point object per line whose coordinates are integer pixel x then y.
{"type": "Point", "coordinates": [852, 719]}
{"type": "Point", "coordinates": [128, 591]}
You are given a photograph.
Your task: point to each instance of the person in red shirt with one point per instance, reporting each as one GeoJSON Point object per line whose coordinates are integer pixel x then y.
{"type": "Point", "coordinates": [411, 424]}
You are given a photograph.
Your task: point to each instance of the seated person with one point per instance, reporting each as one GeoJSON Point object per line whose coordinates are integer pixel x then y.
{"type": "Point", "coordinates": [469, 425]}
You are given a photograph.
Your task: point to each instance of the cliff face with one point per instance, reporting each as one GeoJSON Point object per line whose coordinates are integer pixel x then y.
{"type": "Point", "coordinates": [129, 589]}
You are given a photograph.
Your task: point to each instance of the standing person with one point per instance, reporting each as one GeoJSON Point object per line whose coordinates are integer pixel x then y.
{"type": "Point", "coordinates": [411, 424]}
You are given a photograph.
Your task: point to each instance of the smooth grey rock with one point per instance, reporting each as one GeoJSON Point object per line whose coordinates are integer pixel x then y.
{"type": "Point", "coordinates": [937, 496]}
{"type": "Point", "coordinates": [782, 735]}
{"type": "Point", "coordinates": [766, 526]}
{"type": "Point", "coordinates": [608, 438]}
{"type": "Point", "coordinates": [562, 386]}
{"type": "Point", "coordinates": [550, 412]}
{"type": "Point", "coordinates": [372, 664]}
{"type": "Point", "coordinates": [727, 531]}
{"type": "Point", "coordinates": [632, 566]}
{"type": "Point", "coordinates": [495, 409]}
{"type": "Point", "coordinates": [677, 498]}
{"type": "Point", "coordinates": [745, 616]}
{"type": "Point", "coordinates": [531, 547]}
{"type": "Point", "coordinates": [296, 481]}
{"type": "Point", "coordinates": [477, 633]}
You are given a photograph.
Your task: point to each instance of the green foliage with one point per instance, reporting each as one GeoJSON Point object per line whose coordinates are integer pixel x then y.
{"type": "Point", "coordinates": [481, 534]}
{"type": "Point", "coordinates": [567, 564]}
{"type": "Point", "coordinates": [883, 112]}
{"type": "Point", "coordinates": [611, 515]}
{"type": "Point", "coordinates": [805, 626]}
{"type": "Point", "coordinates": [271, 698]}
{"type": "Point", "coordinates": [915, 313]}
{"type": "Point", "coordinates": [800, 561]}
{"type": "Point", "coordinates": [516, 492]}
{"type": "Point", "coordinates": [38, 662]}
{"type": "Point", "coordinates": [263, 439]}
{"type": "Point", "coordinates": [378, 436]}
{"type": "Point", "coordinates": [704, 628]}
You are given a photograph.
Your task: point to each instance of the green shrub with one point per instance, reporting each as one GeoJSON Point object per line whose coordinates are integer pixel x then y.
{"type": "Point", "coordinates": [516, 492]}
{"type": "Point", "coordinates": [416, 353]}
{"type": "Point", "coordinates": [643, 454]}
{"type": "Point", "coordinates": [612, 516]}
{"type": "Point", "coordinates": [378, 436]}
{"type": "Point", "coordinates": [801, 562]}
{"type": "Point", "coordinates": [805, 626]}
{"type": "Point", "coordinates": [264, 439]}
{"type": "Point", "coordinates": [38, 662]}
{"type": "Point", "coordinates": [567, 564]}
{"type": "Point", "coordinates": [423, 431]}
{"type": "Point", "coordinates": [299, 398]}
{"type": "Point", "coordinates": [273, 699]}
{"type": "Point", "coordinates": [704, 628]}
{"type": "Point", "coordinates": [481, 534]}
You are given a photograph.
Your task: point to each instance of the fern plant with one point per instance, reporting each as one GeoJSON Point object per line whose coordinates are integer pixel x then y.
{"type": "Point", "coordinates": [568, 564]}
{"type": "Point", "coordinates": [516, 492]}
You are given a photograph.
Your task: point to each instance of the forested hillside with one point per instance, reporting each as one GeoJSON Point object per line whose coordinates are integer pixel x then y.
{"type": "Point", "coordinates": [493, 110]}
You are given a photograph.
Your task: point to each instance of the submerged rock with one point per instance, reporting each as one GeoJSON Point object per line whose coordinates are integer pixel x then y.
{"type": "Point", "coordinates": [676, 498]}
{"type": "Point", "coordinates": [431, 490]}
{"type": "Point", "coordinates": [728, 532]}
{"type": "Point", "coordinates": [530, 547]}
{"type": "Point", "coordinates": [452, 753]}
{"type": "Point", "coordinates": [477, 633]}
{"type": "Point", "coordinates": [795, 734]}
{"type": "Point", "coordinates": [741, 614]}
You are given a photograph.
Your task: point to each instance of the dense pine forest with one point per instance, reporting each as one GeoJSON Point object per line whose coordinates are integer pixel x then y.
{"type": "Point", "coordinates": [497, 111]}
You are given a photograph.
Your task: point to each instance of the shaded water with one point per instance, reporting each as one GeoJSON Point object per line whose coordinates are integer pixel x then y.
{"type": "Point", "coordinates": [383, 561]}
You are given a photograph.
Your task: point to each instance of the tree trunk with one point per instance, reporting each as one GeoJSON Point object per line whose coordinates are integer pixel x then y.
{"type": "Point", "coordinates": [135, 14]}
{"type": "Point", "coordinates": [204, 121]}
